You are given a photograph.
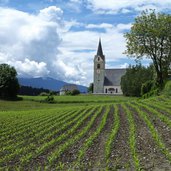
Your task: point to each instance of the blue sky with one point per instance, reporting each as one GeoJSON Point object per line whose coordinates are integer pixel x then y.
{"type": "Point", "coordinates": [59, 38]}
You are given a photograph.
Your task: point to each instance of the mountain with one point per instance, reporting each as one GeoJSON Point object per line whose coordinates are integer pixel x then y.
{"type": "Point", "coordinates": [47, 83]}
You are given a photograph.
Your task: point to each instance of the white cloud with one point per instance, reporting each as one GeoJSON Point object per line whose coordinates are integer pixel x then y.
{"type": "Point", "coordinates": [43, 44]}
{"type": "Point", "coordinates": [81, 46]}
{"type": "Point", "coordinates": [125, 65]}
{"type": "Point", "coordinates": [30, 68]}
{"type": "Point", "coordinates": [115, 6]}
{"type": "Point", "coordinates": [33, 44]}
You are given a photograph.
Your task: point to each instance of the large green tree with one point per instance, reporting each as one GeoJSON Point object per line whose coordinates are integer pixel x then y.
{"type": "Point", "coordinates": [150, 37]}
{"type": "Point", "coordinates": [9, 85]}
{"type": "Point", "coordinates": [134, 78]}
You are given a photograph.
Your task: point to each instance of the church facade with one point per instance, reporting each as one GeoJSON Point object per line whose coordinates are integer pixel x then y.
{"type": "Point", "coordinates": [106, 81]}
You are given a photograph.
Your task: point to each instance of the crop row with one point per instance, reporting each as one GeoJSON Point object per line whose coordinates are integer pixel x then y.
{"type": "Point", "coordinates": [45, 138]}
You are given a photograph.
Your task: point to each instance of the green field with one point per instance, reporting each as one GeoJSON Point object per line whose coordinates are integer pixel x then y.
{"type": "Point", "coordinates": [86, 132]}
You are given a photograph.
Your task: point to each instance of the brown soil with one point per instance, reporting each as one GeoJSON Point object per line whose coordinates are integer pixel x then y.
{"type": "Point", "coordinates": [95, 155]}
{"type": "Point", "coordinates": [160, 110]}
{"type": "Point", "coordinates": [120, 155]}
{"type": "Point", "coordinates": [42, 159]}
{"type": "Point", "coordinates": [150, 156]}
{"type": "Point", "coordinates": [162, 128]}
{"type": "Point", "coordinates": [70, 156]}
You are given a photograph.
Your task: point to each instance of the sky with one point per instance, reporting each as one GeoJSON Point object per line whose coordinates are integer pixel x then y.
{"type": "Point", "coordinates": [59, 38]}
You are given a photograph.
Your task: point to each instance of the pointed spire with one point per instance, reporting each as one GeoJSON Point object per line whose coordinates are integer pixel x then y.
{"type": "Point", "coordinates": [100, 51]}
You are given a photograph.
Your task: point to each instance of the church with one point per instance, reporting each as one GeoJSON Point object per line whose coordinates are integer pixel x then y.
{"type": "Point", "coordinates": [106, 81]}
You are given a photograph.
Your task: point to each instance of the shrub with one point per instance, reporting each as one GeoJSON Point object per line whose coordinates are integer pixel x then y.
{"type": "Point", "coordinates": [75, 92]}
{"type": "Point", "coordinates": [167, 89]}
{"type": "Point", "coordinates": [147, 87]}
{"type": "Point", "coordinates": [153, 92]}
{"type": "Point", "coordinates": [72, 93]}
{"type": "Point", "coordinates": [44, 94]}
{"type": "Point", "coordinates": [49, 99]}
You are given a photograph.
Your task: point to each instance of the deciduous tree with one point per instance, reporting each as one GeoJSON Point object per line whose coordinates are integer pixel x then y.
{"type": "Point", "coordinates": [9, 85]}
{"type": "Point", "coordinates": [150, 37]}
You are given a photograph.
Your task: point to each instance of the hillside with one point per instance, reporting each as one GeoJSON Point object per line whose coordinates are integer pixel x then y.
{"type": "Point", "coordinates": [47, 83]}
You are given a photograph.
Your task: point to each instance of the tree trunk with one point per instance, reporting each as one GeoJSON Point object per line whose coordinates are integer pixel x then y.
{"type": "Point", "coordinates": [160, 78]}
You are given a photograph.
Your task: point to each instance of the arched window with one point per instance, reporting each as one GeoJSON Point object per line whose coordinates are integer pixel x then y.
{"type": "Point", "coordinates": [98, 66]}
{"type": "Point", "coordinates": [98, 58]}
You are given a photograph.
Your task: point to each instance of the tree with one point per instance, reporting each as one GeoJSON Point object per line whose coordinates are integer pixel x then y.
{"type": "Point", "coordinates": [134, 78]}
{"type": "Point", "coordinates": [90, 88]}
{"type": "Point", "coordinates": [150, 37]}
{"type": "Point", "coordinates": [9, 85]}
{"type": "Point", "coordinates": [75, 92]}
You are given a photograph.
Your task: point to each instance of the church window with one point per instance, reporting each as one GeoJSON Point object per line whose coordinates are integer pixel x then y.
{"type": "Point", "coordinates": [98, 66]}
{"type": "Point", "coordinates": [98, 59]}
{"type": "Point", "coordinates": [116, 90]}
{"type": "Point", "coordinates": [106, 90]}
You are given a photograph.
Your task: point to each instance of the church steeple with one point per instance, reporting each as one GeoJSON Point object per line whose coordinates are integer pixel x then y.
{"type": "Point", "coordinates": [99, 50]}
{"type": "Point", "coordinates": [99, 70]}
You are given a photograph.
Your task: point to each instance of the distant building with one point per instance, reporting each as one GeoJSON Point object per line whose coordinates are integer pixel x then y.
{"type": "Point", "coordinates": [106, 81]}
{"type": "Point", "coordinates": [68, 87]}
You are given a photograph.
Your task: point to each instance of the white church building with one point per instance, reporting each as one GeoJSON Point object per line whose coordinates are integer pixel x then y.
{"type": "Point", "coordinates": [106, 81]}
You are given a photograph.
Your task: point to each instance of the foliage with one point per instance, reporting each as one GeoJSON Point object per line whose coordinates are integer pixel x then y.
{"type": "Point", "coordinates": [167, 89]}
{"type": "Point", "coordinates": [50, 99]}
{"type": "Point", "coordinates": [146, 87]}
{"type": "Point", "coordinates": [153, 92]}
{"type": "Point", "coordinates": [9, 85]}
{"type": "Point", "coordinates": [90, 88]}
{"type": "Point", "coordinates": [135, 76]}
{"type": "Point", "coordinates": [43, 94]}
{"type": "Point", "coordinates": [28, 90]}
{"type": "Point", "coordinates": [150, 37]}
{"type": "Point", "coordinates": [73, 92]}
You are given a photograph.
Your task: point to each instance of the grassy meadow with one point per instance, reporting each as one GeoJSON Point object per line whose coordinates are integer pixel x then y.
{"type": "Point", "coordinates": [85, 132]}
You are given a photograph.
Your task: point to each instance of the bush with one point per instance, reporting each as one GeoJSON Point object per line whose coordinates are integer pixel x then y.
{"type": "Point", "coordinates": [75, 92]}
{"type": "Point", "coordinates": [49, 99]}
{"type": "Point", "coordinates": [44, 94]}
{"type": "Point", "coordinates": [167, 89]}
{"type": "Point", "coordinates": [72, 93]}
{"type": "Point", "coordinates": [147, 87]}
{"type": "Point", "coordinates": [153, 92]}
{"type": "Point", "coordinates": [133, 79]}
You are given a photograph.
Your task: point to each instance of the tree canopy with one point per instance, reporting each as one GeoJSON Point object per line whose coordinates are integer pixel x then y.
{"type": "Point", "coordinates": [9, 85]}
{"type": "Point", "coordinates": [150, 37]}
{"type": "Point", "coordinates": [134, 78]}
{"type": "Point", "coordinates": [90, 88]}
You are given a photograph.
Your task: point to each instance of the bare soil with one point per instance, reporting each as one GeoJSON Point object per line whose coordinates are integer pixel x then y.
{"type": "Point", "coordinates": [120, 155]}
{"type": "Point", "coordinates": [150, 156]}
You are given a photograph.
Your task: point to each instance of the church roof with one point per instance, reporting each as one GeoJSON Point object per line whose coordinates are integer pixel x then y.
{"type": "Point", "coordinates": [99, 50]}
{"type": "Point", "coordinates": [113, 77]}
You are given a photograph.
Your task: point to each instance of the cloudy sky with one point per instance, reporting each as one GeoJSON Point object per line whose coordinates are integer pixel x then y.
{"type": "Point", "coordinates": [59, 38]}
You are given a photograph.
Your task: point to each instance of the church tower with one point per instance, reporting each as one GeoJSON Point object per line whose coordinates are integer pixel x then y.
{"type": "Point", "coordinates": [99, 70]}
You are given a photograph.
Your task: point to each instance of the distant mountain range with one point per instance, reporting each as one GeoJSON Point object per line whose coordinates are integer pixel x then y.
{"type": "Point", "coordinates": [47, 83]}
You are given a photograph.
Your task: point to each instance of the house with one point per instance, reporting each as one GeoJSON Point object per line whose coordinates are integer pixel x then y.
{"type": "Point", "coordinates": [68, 87]}
{"type": "Point", "coordinates": [106, 81]}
